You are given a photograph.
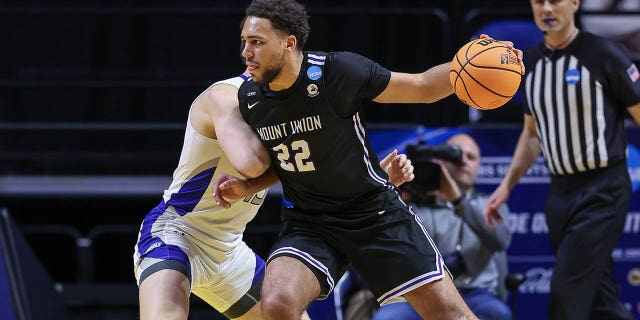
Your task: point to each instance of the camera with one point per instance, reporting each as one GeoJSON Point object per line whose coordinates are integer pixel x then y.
{"type": "Point", "coordinates": [428, 173]}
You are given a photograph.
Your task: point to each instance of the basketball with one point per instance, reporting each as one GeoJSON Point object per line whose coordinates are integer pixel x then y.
{"type": "Point", "coordinates": [485, 74]}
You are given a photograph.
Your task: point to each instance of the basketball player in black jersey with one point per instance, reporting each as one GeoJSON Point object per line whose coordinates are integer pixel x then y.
{"type": "Point", "coordinates": [578, 88]}
{"type": "Point", "coordinates": [305, 107]}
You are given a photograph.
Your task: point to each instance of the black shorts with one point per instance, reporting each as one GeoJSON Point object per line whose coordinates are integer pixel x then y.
{"type": "Point", "coordinates": [390, 249]}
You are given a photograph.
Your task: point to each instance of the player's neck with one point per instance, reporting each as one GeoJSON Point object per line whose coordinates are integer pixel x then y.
{"type": "Point", "coordinates": [289, 73]}
{"type": "Point", "coordinates": [560, 40]}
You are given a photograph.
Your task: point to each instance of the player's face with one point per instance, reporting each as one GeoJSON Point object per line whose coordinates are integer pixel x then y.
{"type": "Point", "coordinates": [554, 15]}
{"type": "Point", "coordinates": [263, 49]}
{"type": "Point", "coordinates": [466, 172]}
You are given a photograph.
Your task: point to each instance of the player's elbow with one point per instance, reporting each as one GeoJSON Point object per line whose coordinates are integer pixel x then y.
{"type": "Point", "coordinates": [251, 171]}
{"type": "Point", "coordinates": [253, 168]}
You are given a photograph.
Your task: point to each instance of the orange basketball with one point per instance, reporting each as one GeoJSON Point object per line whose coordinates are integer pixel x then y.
{"type": "Point", "coordinates": [485, 74]}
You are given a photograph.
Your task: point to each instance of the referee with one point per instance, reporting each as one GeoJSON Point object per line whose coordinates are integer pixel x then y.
{"type": "Point", "coordinates": [577, 89]}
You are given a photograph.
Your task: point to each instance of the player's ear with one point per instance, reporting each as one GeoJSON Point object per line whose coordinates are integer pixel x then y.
{"type": "Point", "coordinates": [290, 42]}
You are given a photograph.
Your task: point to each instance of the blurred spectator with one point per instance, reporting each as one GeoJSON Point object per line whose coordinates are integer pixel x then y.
{"type": "Point", "coordinates": [455, 221]}
{"type": "Point", "coordinates": [624, 28]}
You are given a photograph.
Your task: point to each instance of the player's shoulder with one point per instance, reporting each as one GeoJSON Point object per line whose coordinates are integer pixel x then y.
{"type": "Point", "coordinates": [347, 63]}
{"type": "Point", "coordinates": [221, 94]}
{"type": "Point", "coordinates": [230, 84]}
{"type": "Point", "coordinates": [234, 82]}
{"type": "Point", "coordinates": [345, 57]}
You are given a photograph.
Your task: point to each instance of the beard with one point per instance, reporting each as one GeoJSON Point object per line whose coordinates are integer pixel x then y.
{"type": "Point", "coordinates": [270, 73]}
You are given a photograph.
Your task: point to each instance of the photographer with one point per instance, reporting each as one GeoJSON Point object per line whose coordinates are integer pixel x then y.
{"type": "Point", "coordinates": [455, 221]}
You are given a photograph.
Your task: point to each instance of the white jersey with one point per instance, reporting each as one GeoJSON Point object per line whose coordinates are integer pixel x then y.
{"type": "Point", "coordinates": [188, 218]}
{"type": "Point", "coordinates": [190, 193]}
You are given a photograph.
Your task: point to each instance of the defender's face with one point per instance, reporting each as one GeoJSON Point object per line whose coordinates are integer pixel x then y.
{"type": "Point", "coordinates": [554, 15]}
{"type": "Point", "coordinates": [263, 49]}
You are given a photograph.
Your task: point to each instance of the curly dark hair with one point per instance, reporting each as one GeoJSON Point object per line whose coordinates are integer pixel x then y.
{"type": "Point", "coordinates": [287, 16]}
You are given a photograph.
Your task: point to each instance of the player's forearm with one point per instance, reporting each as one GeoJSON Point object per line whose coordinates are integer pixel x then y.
{"type": "Point", "coordinates": [244, 150]}
{"type": "Point", "coordinates": [265, 180]}
{"type": "Point", "coordinates": [437, 82]}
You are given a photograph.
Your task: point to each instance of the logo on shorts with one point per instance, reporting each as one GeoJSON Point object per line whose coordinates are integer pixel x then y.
{"type": "Point", "coordinates": [153, 246]}
{"type": "Point", "coordinates": [312, 90]}
{"type": "Point", "coordinates": [572, 76]}
{"type": "Point", "coordinates": [314, 73]}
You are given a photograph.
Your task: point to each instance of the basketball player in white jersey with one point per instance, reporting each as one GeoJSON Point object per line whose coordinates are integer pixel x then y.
{"type": "Point", "coordinates": [188, 243]}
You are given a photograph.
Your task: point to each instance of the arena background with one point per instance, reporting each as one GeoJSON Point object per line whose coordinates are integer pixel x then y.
{"type": "Point", "coordinates": [94, 97]}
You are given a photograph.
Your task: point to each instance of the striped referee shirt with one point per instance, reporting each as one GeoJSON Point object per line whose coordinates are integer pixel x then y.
{"type": "Point", "coordinates": [578, 97]}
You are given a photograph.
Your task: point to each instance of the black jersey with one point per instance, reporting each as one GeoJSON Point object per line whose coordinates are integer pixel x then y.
{"type": "Point", "coordinates": [315, 135]}
{"type": "Point", "coordinates": [578, 96]}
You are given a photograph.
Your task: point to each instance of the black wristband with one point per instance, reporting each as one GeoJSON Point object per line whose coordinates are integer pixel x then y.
{"type": "Point", "coordinates": [458, 201]}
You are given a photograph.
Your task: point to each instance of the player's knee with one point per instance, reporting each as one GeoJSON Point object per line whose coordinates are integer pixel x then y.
{"type": "Point", "coordinates": [278, 306]}
{"type": "Point", "coordinates": [166, 312]}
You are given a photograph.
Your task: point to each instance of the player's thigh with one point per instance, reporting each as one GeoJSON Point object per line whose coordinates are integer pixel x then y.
{"type": "Point", "coordinates": [164, 295]}
{"type": "Point", "coordinates": [439, 299]}
{"type": "Point", "coordinates": [312, 258]}
{"type": "Point", "coordinates": [396, 256]}
{"type": "Point", "coordinates": [234, 289]}
{"type": "Point", "coordinates": [288, 277]}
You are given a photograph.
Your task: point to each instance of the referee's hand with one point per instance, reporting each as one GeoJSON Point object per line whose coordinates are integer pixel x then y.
{"type": "Point", "coordinates": [498, 198]}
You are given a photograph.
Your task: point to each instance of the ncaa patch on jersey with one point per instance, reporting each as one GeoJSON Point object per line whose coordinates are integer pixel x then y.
{"type": "Point", "coordinates": [572, 76]}
{"type": "Point", "coordinates": [312, 90]}
{"type": "Point", "coordinates": [314, 73]}
{"type": "Point", "coordinates": [633, 72]}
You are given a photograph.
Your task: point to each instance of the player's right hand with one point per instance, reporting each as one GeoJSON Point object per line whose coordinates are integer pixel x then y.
{"type": "Point", "coordinates": [228, 188]}
{"type": "Point", "coordinates": [509, 45]}
{"type": "Point", "coordinates": [498, 198]}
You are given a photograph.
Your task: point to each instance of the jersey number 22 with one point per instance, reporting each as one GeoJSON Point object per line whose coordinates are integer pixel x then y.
{"type": "Point", "coordinates": [301, 156]}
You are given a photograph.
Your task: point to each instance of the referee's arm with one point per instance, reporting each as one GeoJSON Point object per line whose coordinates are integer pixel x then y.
{"type": "Point", "coordinates": [634, 111]}
{"type": "Point", "coordinates": [526, 153]}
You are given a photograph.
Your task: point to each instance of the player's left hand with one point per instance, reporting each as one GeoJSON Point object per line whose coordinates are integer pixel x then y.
{"type": "Point", "coordinates": [228, 188]}
{"type": "Point", "coordinates": [509, 45]}
{"type": "Point", "coordinates": [398, 167]}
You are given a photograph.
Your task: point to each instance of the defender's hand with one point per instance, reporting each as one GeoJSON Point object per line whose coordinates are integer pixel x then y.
{"type": "Point", "coordinates": [228, 188]}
